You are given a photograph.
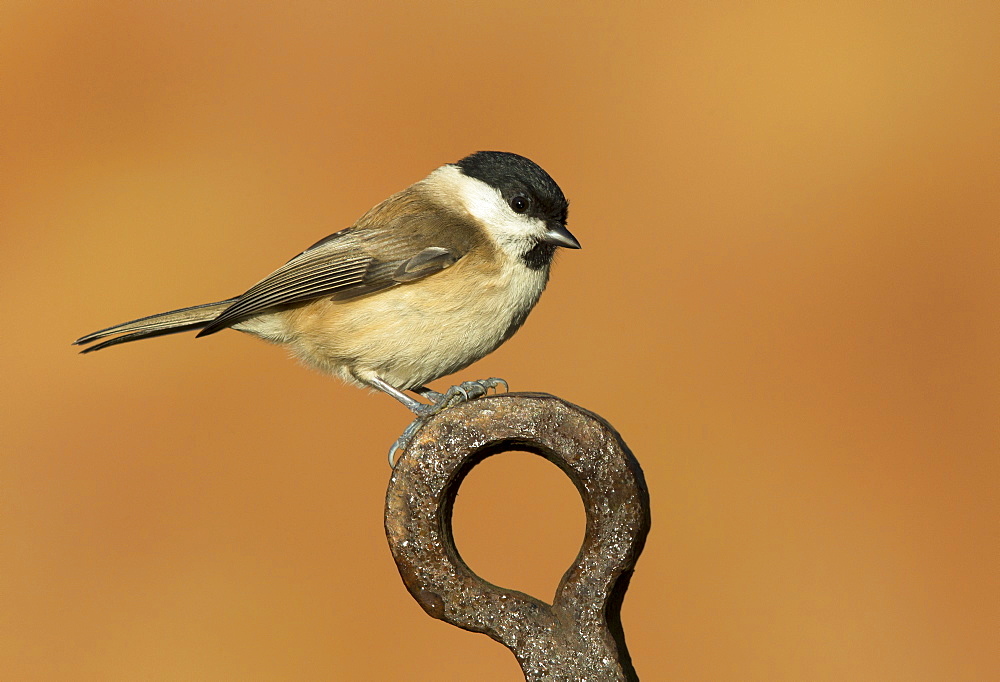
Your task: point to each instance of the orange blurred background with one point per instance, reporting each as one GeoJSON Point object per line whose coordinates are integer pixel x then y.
{"type": "Point", "coordinates": [787, 303]}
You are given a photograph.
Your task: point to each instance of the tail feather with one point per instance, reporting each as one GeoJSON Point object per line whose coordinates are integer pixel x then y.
{"type": "Point", "coordinates": [172, 322]}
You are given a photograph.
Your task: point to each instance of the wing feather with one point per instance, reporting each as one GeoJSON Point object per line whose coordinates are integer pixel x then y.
{"type": "Point", "coordinates": [401, 240]}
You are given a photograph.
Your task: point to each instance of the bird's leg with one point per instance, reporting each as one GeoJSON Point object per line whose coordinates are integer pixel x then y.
{"type": "Point", "coordinates": [415, 406]}
{"type": "Point", "coordinates": [467, 390]}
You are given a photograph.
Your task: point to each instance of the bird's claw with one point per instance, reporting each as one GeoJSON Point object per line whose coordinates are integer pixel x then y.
{"type": "Point", "coordinates": [404, 439]}
{"type": "Point", "coordinates": [463, 392]}
{"type": "Point", "coordinates": [456, 395]}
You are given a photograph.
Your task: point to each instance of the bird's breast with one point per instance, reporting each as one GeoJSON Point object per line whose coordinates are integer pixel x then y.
{"type": "Point", "coordinates": [414, 333]}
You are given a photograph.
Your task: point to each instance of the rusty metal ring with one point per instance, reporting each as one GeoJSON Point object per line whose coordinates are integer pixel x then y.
{"type": "Point", "coordinates": [578, 636]}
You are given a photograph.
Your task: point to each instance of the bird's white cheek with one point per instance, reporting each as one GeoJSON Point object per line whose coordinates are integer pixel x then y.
{"type": "Point", "coordinates": [517, 236]}
{"type": "Point", "coordinates": [488, 206]}
{"type": "Point", "coordinates": [484, 203]}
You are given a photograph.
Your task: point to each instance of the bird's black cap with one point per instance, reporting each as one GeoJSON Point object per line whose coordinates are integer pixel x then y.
{"type": "Point", "coordinates": [515, 175]}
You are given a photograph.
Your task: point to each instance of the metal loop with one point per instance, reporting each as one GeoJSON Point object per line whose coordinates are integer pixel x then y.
{"type": "Point", "coordinates": [578, 636]}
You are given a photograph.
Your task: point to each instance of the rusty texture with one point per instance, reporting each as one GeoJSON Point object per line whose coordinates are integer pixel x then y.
{"type": "Point", "coordinates": [579, 636]}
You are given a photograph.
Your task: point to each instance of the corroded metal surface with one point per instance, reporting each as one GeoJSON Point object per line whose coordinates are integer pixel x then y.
{"type": "Point", "coordinates": [579, 636]}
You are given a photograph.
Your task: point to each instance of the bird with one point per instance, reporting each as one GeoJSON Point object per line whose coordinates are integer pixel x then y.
{"type": "Point", "coordinates": [422, 285]}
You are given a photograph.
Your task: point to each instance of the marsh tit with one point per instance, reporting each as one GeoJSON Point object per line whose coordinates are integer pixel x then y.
{"type": "Point", "coordinates": [424, 284]}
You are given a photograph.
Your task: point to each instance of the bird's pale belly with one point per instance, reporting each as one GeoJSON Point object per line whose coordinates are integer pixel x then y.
{"type": "Point", "coordinates": [408, 335]}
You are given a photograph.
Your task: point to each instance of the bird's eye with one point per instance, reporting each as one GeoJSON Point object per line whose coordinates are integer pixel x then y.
{"type": "Point", "coordinates": [520, 204]}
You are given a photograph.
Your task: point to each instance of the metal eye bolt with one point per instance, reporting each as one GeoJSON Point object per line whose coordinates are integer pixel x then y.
{"type": "Point", "coordinates": [578, 636]}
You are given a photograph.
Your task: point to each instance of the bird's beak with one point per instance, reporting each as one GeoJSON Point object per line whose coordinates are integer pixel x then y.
{"type": "Point", "coordinates": [558, 235]}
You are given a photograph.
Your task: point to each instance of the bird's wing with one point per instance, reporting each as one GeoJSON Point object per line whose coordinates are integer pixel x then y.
{"type": "Point", "coordinates": [394, 243]}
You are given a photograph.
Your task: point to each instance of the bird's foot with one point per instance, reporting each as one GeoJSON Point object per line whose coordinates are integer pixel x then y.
{"type": "Point", "coordinates": [456, 395]}
{"type": "Point", "coordinates": [405, 439]}
{"type": "Point", "coordinates": [467, 390]}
